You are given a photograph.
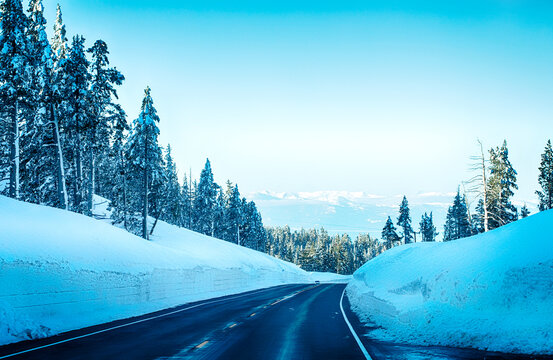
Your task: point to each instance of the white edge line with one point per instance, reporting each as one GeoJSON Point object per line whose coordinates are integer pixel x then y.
{"type": "Point", "coordinates": [131, 323]}
{"type": "Point", "coordinates": [361, 346]}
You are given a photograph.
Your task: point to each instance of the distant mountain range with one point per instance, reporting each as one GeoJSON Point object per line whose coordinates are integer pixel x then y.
{"type": "Point", "coordinates": [345, 211]}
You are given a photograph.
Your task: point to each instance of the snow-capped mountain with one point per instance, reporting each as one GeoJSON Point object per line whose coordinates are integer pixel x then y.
{"type": "Point", "coordinates": [346, 211]}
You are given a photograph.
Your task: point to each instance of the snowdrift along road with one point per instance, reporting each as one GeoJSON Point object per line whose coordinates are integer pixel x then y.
{"type": "Point", "coordinates": [491, 291]}
{"type": "Point", "coordinates": [61, 271]}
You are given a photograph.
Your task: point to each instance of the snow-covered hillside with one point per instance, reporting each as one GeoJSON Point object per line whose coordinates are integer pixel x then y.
{"type": "Point", "coordinates": [491, 291]}
{"type": "Point", "coordinates": [61, 271]}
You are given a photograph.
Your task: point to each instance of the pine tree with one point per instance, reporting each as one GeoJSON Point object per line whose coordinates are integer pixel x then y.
{"type": "Point", "coordinates": [427, 228]}
{"type": "Point", "coordinates": [389, 234]}
{"type": "Point", "coordinates": [15, 75]}
{"type": "Point", "coordinates": [119, 193]}
{"type": "Point", "coordinates": [204, 202]}
{"type": "Point", "coordinates": [545, 179]}
{"type": "Point", "coordinates": [102, 91]}
{"type": "Point", "coordinates": [171, 193]}
{"type": "Point", "coordinates": [502, 183]}
{"type": "Point", "coordinates": [362, 250]}
{"type": "Point", "coordinates": [59, 40]}
{"type": "Point", "coordinates": [145, 158]}
{"type": "Point", "coordinates": [233, 213]}
{"type": "Point", "coordinates": [76, 111]}
{"type": "Point", "coordinates": [404, 221]}
{"type": "Point", "coordinates": [57, 81]}
{"type": "Point", "coordinates": [478, 225]}
{"type": "Point", "coordinates": [342, 252]}
{"type": "Point", "coordinates": [37, 175]}
{"type": "Point", "coordinates": [252, 233]}
{"type": "Point", "coordinates": [219, 226]}
{"type": "Point", "coordinates": [524, 212]}
{"type": "Point", "coordinates": [457, 224]}
{"type": "Point", "coordinates": [186, 204]}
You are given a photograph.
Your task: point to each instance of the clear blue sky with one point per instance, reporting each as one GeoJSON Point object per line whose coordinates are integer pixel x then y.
{"type": "Point", "coordinates": [387, 97]}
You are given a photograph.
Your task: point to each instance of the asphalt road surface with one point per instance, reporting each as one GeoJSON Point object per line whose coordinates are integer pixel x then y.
{"type": "Point", "coordinates": [283, 322]}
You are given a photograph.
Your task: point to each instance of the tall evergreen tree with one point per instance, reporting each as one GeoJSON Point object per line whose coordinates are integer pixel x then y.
{"type": "Point", "coordinates": [145, 157]}
{"type": "Point", "coordinates": [186, 204]}
{"type": "Point", "coordinates": [119, 193]}
{"type": "Point", "coordinates": [252, 233]}
{"type": "Point", "coordinates": [37, 176]}
{"type": "Point", "coordinates": [15, 73]}
{"type": "Point", "coordinates": [389, 234]}
{"type": "Point", "coordinates": [204, 202]}
{"type": "Point", "coordinates": [171, 193]}
{"type": "Point", "coordinates": [404, 221]}
{"type": "Point", "coordinates": [102, 91]}
{"type": "Point", "coordinates": [545, 179]}
{"type": "Point", "coordinates": [57, 82]}
{"type": "Point", "coordinates": [502, 183]}
{"type": "Point", "coordinates": [478, 225]}
{"type": "Point", "coordinates": [76, 110]}
{"type": "Point", "coordinates": [362, 250]}
{"type": "Point", "coordinates": [233, 213]}
{"type": "Point", "coordinates": [457, 224]}
{"type": "Point", "coordinates": [427, 228]}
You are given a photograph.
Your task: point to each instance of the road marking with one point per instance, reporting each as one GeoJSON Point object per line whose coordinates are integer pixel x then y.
{"type": "Point", "coordinates": [201, 345]}
{"type": "Point", "coordinates": [361, 346]}
{"type": "Point", "coordinates": [131, 323]}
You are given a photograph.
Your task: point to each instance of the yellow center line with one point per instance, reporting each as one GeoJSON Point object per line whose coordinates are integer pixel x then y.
{"type": "Point", "coordinates": [201, 345]}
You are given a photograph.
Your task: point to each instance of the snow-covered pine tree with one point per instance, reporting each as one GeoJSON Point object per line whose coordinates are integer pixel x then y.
{"type": "Point", "coordinates": [76, 111]}
{"type": "Point", "coordinates": [219, 226]}
{"type": "Point", "coordinates": [427, 228]}
{"type": "Point", "coordinates": [186, 204]}
{"type": "Point", "coordinates": [457, 224]}
{"type": "Point", "coordinates": [362, 250]}
{"type": "Point", "coordinates": [308, 257]}
{"type": "Point", "coordinates": [59, 41]}
{"type": "Point", "coordinates": [171, 193]}
{"type": "Point", "coordinates": [15, 73]}
{"type": "Point", "coordinates": [342, 252]}
{"type": "Point", "coordinates": [502, 183]}
{"type": "Point", "coordinates": [57, 82]}
{"type": "Point", "coordinates": [233, 214]}
{"type": "Point", "coordinates": [322, 255]}
{"type": "Point", "coordinates": [118, 183]}
{"type": "Point", "coordinates": [389, 234]}
{"type": "Point", "coordinates": [37, 179]}
{"type": "Point", "coordinates": [252, 232]}
{"type": "Point", "coordinates": [145, 159]}
{"type": "Point", "coordinates": [102, 92]}
{"type": "Point", "coordinates": [404, 221]}
{"type": "Point", "coordinates": [205, 198]}
{"type": "Point", "coordinates": [545, 179]}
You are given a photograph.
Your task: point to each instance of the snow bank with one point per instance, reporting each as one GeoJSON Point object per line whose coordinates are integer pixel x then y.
{"type": "Point", "coordinates": [491, 291]}
{"type": "Point", "coordinates": [61, 271]}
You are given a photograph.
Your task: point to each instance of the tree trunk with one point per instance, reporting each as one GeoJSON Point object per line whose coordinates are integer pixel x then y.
{"type": "Point", "coordinates": [14, 153]}
{"type": "Point", "coordinates": [124, 173]}
{"type": "Point", "coordinates": [60, 172]}
{"type": "Point", "coordinates": [484, 189]}
{"type": "Point", "coordinates": [78, 169]}
{"type": "Point", "coordinates": [145, 208]}
{"type": "Point", "coordinates": [91, 180]}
